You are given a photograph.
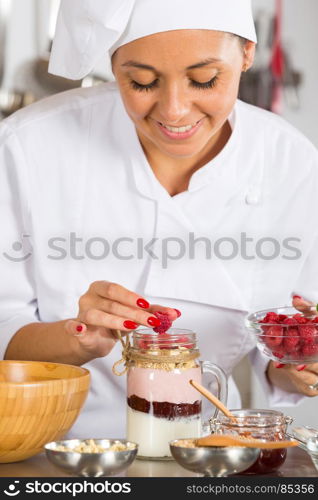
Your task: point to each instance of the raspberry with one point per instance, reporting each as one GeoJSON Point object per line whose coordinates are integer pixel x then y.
{"type": "Point", "coordinates": [308, 334]}
{"type": "Point", "coordinates": [291, 339]}
{"type": "Point", "coordinates": [289, 321]}
{"type": "Point", "coordinates": [144, 344]}
{"type": "Point", "coordinates": [274, 336]}
{"type": "Point", "coordinates": [278, 354]}
{"type": "Point", "coordinates": [165, 322]}
{"type": "Point", "coordinates": [184, 341]}
{"type": "Point", "coordinates": [309, 350]}
{"type": "Point", "coordinates": [295, 355]}
{"type": "Point", "coordinates": [281, 317]}
{"type": "Point", "coordinates": [301, 320]}
{"type": "Point", "coordinates": [271, 317]}
{"type": "Point", "coordinates": [165, 341]}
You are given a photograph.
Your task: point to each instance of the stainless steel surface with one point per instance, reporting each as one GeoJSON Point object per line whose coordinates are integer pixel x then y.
{"type": "Point", "coordinates": [108, 463]}
{"type": "Point", "coordinates": [298, 464]}
{"type": "Point", "coordinates": [214, 461]}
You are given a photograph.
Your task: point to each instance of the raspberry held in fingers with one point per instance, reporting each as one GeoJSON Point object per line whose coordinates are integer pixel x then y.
{"type": "Point", "coordinates": [143, 303]}
{"type": "Point", "coordinates": [79, 328]}
{"type": "Point", "coordinates": [130, 325]}
{"type": "Point", "coordinates": [165, 322]}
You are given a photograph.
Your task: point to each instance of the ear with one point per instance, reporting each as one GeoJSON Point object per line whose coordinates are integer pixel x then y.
{"type": "Point", "coordinates": [249, 55]}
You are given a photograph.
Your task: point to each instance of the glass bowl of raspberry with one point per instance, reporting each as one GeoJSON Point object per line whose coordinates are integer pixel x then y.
{"type": "Point", "coordinates": [285, 335]}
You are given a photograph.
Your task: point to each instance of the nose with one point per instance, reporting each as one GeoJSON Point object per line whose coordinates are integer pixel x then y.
{"type": "Point", "coordinates": [174, 104]}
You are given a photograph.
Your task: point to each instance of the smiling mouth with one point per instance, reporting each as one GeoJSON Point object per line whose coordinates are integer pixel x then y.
{"type": "Point", "coordinates": [179, 130]}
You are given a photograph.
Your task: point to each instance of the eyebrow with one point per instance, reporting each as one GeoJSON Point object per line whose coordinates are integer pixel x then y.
{"type": "Point", "coordinates": [201, 64]}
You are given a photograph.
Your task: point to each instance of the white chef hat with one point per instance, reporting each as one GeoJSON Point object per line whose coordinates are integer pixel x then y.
{"type": "Point", "coordinates": [88, 29]}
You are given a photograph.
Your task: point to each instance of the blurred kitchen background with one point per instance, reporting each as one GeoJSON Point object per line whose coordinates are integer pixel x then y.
{"type": "Point", "coordinates": [284, 80]}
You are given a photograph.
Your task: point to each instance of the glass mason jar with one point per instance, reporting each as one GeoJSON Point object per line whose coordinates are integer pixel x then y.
{"type": "Point", "coordinates": [268, 425]}
{"type": "Point", "coordinates": [161, 403]}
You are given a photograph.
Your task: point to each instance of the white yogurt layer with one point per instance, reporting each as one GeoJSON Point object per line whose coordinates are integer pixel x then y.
{"type": "Point", "coordinates": [153, 434]}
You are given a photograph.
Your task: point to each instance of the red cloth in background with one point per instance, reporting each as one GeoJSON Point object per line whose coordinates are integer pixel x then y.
{"type": "Point", "coordinates": [277, 62]}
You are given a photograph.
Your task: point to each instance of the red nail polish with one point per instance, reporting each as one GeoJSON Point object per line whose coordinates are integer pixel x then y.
{"type": "Point", "coordinates": [143, 303]}
{"type": "Point", "coordinates": [279, 365]}
{"type": "Point", "coordinates": [301, 368]}
{"type": "Point", "coordinates": [178, 312]}
{"type": "Point", "coordinates": [130, 325]}
{"type": "Point", "coordinates": [79, 328]}
{"type": "Point", "coordinates": [153, 321]}
{"type": "Point", "coordinates": [297, 297]}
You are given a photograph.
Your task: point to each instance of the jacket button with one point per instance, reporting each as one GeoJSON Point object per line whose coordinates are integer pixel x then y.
{"type": "Point", "coordinates": [253, 196]}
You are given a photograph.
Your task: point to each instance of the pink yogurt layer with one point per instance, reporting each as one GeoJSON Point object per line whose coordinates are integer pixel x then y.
{"type": "Point", "coordinates": [160, 385]}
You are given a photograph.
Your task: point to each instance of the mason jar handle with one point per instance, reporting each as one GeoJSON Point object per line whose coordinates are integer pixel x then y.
{"type": "Point", "coordinates": [221, 378]}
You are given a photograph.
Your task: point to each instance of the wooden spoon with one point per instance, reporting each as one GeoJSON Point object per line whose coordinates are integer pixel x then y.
{"type": "Point", "coordinates": [213, 399]}
{"type": "Point", "coordinates": [223, 440]}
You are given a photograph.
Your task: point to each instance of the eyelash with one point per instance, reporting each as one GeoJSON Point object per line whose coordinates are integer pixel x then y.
{"type": "Point", "coordinates": [201, 86]}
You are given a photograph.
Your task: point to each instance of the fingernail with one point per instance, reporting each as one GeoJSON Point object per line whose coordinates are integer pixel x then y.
{"type": "Point", "coordinates": [153, 321]}
{"type": "Point", "coordinates": [297, 297]}
{"type": "Point", "coordinates": [279, 365]}
{"type": "Point", "coordinates": [178, 312]}
{"type": "Point", "coordinates": [143, 303]}
{"type": "Point", "coordinates": [79, 328]}
{"type": "Point", "coordinates": [130, 325]}
{"type": "Point", "coordinates": [300, 368]}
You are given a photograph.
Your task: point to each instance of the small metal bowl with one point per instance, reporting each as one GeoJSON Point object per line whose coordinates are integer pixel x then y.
{"type": "Point", "coordinates": [108, 463]}
{"type": "Point", "coordinates": [213, 461]}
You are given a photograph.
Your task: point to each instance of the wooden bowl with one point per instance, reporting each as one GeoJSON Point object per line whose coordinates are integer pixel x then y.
{"type": "Point", "coordinates": [39, 403]}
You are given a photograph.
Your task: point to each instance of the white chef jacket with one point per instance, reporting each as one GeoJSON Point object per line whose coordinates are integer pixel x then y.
{"type": "Point", "coordinates": [72, 166]}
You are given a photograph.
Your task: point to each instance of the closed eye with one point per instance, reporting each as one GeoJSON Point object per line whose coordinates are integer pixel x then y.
{"type": "Point", "coordinates": [150, 86]}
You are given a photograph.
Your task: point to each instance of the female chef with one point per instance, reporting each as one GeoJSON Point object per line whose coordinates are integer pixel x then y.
{"type": "Point", "coordinates": [160, 188]}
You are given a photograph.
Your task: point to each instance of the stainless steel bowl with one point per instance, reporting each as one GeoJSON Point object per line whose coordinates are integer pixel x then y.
{"type": "Point", "coordinates": [214, 461]}
{"type": "Point", "coordinates": [108, 463]}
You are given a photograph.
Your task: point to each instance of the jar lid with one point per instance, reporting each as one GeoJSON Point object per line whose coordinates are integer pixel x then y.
{"type": "Point", "coordinates": [253, 418]}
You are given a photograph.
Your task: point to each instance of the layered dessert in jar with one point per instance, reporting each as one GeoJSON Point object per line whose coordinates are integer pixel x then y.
{"type": "Point", "coordinates": [161, 403]}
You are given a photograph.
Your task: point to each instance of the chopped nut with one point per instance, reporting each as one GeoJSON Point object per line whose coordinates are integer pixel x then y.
{"type": "Point", "coordinates": [91, 447]}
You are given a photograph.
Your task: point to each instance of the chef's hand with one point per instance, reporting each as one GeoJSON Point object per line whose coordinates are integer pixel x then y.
{"type": "Point", "coordinates": [108, 306]}
{"type": "Point", "coordinates": [296, 378]}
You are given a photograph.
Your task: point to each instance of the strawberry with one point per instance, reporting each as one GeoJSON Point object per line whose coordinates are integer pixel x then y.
{"type": "Point", "coordinates": [165, 322]}
{"type": "Point", "coordinates": [315, 320]}
{"type": "Point", "coordinates": [274, 336]}
{"type": "Point", "coordinates": [308, 334]}
{"type": "Point", "coordinates": [291, 339]}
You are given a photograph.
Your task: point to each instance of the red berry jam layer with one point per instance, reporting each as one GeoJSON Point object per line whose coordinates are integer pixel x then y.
{"type": "Point", "coordinates": [166, 410]}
